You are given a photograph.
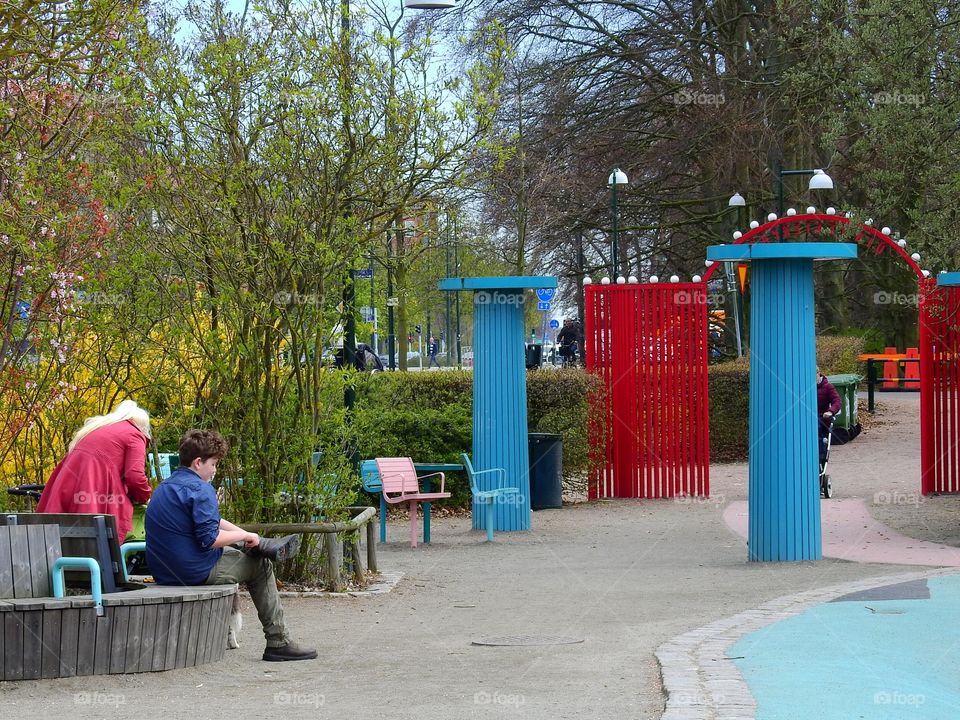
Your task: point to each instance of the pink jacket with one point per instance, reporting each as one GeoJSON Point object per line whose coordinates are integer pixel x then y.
{"type": "Point", "coordinates": [104, 473]}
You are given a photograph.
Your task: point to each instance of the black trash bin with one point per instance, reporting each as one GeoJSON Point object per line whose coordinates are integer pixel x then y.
{"type": "Point", "coordinates": [546, 471]}
{"type": "Point", "coordinates": [534, 356]}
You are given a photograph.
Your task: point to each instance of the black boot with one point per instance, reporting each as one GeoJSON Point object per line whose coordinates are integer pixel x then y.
{"type": "Point", "coordinates": [290, 651]}
{"type": "Point", "coordinates": [276, 548]}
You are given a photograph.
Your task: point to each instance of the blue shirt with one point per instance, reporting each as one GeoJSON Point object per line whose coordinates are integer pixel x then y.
{"type": "Point", "coordinates": [182, 523]}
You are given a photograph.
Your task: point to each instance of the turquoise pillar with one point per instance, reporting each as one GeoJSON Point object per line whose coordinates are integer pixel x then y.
{"type": "Point", "coordinates": [784, 488]}
{"type": "Point", "coordinates": [500, 391]}
{"type": "Point", "coordinates": [949, 279]}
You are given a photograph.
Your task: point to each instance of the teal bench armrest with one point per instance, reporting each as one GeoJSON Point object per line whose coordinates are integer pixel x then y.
{"type": "Point", "coordinates": [75, 563]}
{"type": "Point", "coordinates": [128, 549]}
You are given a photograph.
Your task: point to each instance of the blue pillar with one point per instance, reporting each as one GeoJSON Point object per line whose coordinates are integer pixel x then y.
{"type": "Point", "coordinates": [949, 279]}
{"type": "Point", "coordinates": [784, 488]}
{"type": "Point", "coordinates": [500, 391]}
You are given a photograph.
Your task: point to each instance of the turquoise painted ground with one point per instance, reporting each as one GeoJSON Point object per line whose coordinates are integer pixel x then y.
{"type": "Point", "coordinates": [872, 659]}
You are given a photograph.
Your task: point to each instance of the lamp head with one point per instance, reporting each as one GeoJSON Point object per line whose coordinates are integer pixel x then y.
{"type": "Point", "coordinates": [617, 177]}
{"type": "Point", "coordinates": [737, 201]}
{"type": "Point", "coordinates": [820, 181]}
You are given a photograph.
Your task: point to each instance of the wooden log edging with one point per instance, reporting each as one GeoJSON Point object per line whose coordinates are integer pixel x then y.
{"type": "Point", "coordinates": [145, 630]}
{"type": "Point", "coordinates": [333, 549]}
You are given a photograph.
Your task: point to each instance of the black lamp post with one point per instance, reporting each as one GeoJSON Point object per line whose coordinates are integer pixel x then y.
{"type": "Point", "coordinates": [617, 177]}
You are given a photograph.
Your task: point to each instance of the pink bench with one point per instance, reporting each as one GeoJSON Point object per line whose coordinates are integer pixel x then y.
{"type": "Point", "coordinates": [400, 484]}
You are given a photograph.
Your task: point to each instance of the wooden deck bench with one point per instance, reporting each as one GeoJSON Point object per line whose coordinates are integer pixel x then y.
{"type": "Point", "coordinates": [137, 628]}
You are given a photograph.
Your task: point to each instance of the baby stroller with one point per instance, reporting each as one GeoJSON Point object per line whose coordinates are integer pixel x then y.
{"type": "Point", "coordinates": [825, 437]}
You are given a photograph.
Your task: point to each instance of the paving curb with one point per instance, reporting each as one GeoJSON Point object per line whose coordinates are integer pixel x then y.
{"type": "Point", "coordinates": [386, 582]}
{"type": "Point", "coordinates": [702, 683]}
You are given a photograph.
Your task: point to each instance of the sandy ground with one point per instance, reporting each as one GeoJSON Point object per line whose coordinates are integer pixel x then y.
{"type": "Point", "coordinates": [622, 576]}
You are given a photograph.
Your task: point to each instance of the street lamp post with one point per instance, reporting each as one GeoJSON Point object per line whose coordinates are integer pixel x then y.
{"type": "Point", "coordinates": [819, 181]}
{"type": "Point", "coordinates": [617, 177]}
{"type": "Point", "coordinates": [738, 202]}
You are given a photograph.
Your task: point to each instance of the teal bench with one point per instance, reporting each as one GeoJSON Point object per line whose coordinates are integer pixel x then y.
{"type": "Point", "coordinates": [371, 483]}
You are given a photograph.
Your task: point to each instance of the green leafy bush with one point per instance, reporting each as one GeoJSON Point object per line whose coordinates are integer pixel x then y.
{"type": "Point", "coordinates": [729, 411]}
{"type": "Point", "coordinates": [837, 354]}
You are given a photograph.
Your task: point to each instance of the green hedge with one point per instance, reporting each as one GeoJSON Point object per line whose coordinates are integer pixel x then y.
{"type": "Point", "coordinates": [729, 411]}
{"type": "Point", "coordinates": [428, 416]}
{"type": "Point", "coordinates": [730, 390]}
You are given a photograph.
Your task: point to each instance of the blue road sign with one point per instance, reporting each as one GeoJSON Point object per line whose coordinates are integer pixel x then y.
{"type": "Point", "coordinates": [363, 273]}
{"type": "Point", "coordinates": [546, 294]}
{"type": "Point", "coordinates": [544, 306]}
{"type": "Point", "coordinates": [554, 324]}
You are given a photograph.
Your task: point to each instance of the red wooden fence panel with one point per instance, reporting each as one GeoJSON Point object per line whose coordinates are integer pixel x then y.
{"type": "Point", "coordinates": [649, 345]}
{"type": "Point", "coordinates": [939, 389]}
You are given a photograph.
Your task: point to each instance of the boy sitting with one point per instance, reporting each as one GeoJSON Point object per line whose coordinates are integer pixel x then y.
{"type": "Point", "coordinates": [188, 542]}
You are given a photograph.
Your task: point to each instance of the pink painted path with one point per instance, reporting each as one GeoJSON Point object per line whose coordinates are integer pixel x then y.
{"type": "Point", "coordinates": [850, 533]}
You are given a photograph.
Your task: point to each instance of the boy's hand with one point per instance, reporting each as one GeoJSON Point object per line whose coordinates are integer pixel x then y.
{"type": "Point", "coordinates": [252, 540]}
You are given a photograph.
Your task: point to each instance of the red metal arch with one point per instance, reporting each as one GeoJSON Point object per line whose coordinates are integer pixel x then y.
{"type": "Point", "coordinates": [816, 224]}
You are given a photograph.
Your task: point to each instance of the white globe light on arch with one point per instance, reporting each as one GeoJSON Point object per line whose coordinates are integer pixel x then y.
{"type": "Point", "coordinates": [605, 281]}
{"type": "Point", "coordinates": [902, 242]}
{"type": "Point", "coordinates": [654, 279]}
{"type": "Point", "coordinates": [674, 278]}
{"type": "Point", "coordinates": [915, 257]}
{"type": "Point", "coordinates": [811, 210]}
{"type": "Point", "coordinates": [754, 224]}
{"type": "Point", "coordinates": [429, 4]}
{"type": "Point", "coordinates": [771, 217]}
{"type": "Point", "coordinates": [621, 280]}
{"type": "Point", "coordinates": [885, 230]}
{"type": "Point", "coordinates": [831, 211]}
{"type": "Point", "coordinates": [737, 235]}
{"type": "Point", "coordinates": [632, 280]}
{"type": "Point", "coordinates": [791, 212]}
{"type": "Point", "coordinates": [697, 278]}
{"type": "Point", "coordinates": [926, 273]}
{"type": "Point", "coordinates": [587, 279]}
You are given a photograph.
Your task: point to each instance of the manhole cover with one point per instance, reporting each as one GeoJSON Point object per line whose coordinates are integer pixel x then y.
{"type": "Point", "coordinates": [517, 640]}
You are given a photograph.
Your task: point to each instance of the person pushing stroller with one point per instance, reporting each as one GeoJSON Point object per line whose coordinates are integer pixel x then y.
{"type": "Point", "coordinates": [828, 405]}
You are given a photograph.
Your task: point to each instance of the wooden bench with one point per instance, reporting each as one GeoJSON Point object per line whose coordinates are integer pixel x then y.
{"type": "Point", "coordinates": [139, 628]}
{"type": "Point", "coordinates": [91, 535]}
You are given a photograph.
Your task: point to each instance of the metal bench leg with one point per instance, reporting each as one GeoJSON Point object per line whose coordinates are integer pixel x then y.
{"type": "Point", "coordinates": [426, 523]}
{"type": "Point", "coordinates": [383, 520]}
{"type": "Point", "coordinates": [413, 523]}
{"type": "Point", "coordinates": [490, 519]}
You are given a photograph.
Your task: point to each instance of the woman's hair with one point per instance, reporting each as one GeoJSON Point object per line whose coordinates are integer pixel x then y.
{"type": "Point", "coordinates": [203, 444]}
{"type": "Point", "coordinates": [127, 410]}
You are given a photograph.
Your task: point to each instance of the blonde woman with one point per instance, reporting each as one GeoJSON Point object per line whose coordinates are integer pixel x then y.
{"type": "Point", "coordinates": [103, 471]}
